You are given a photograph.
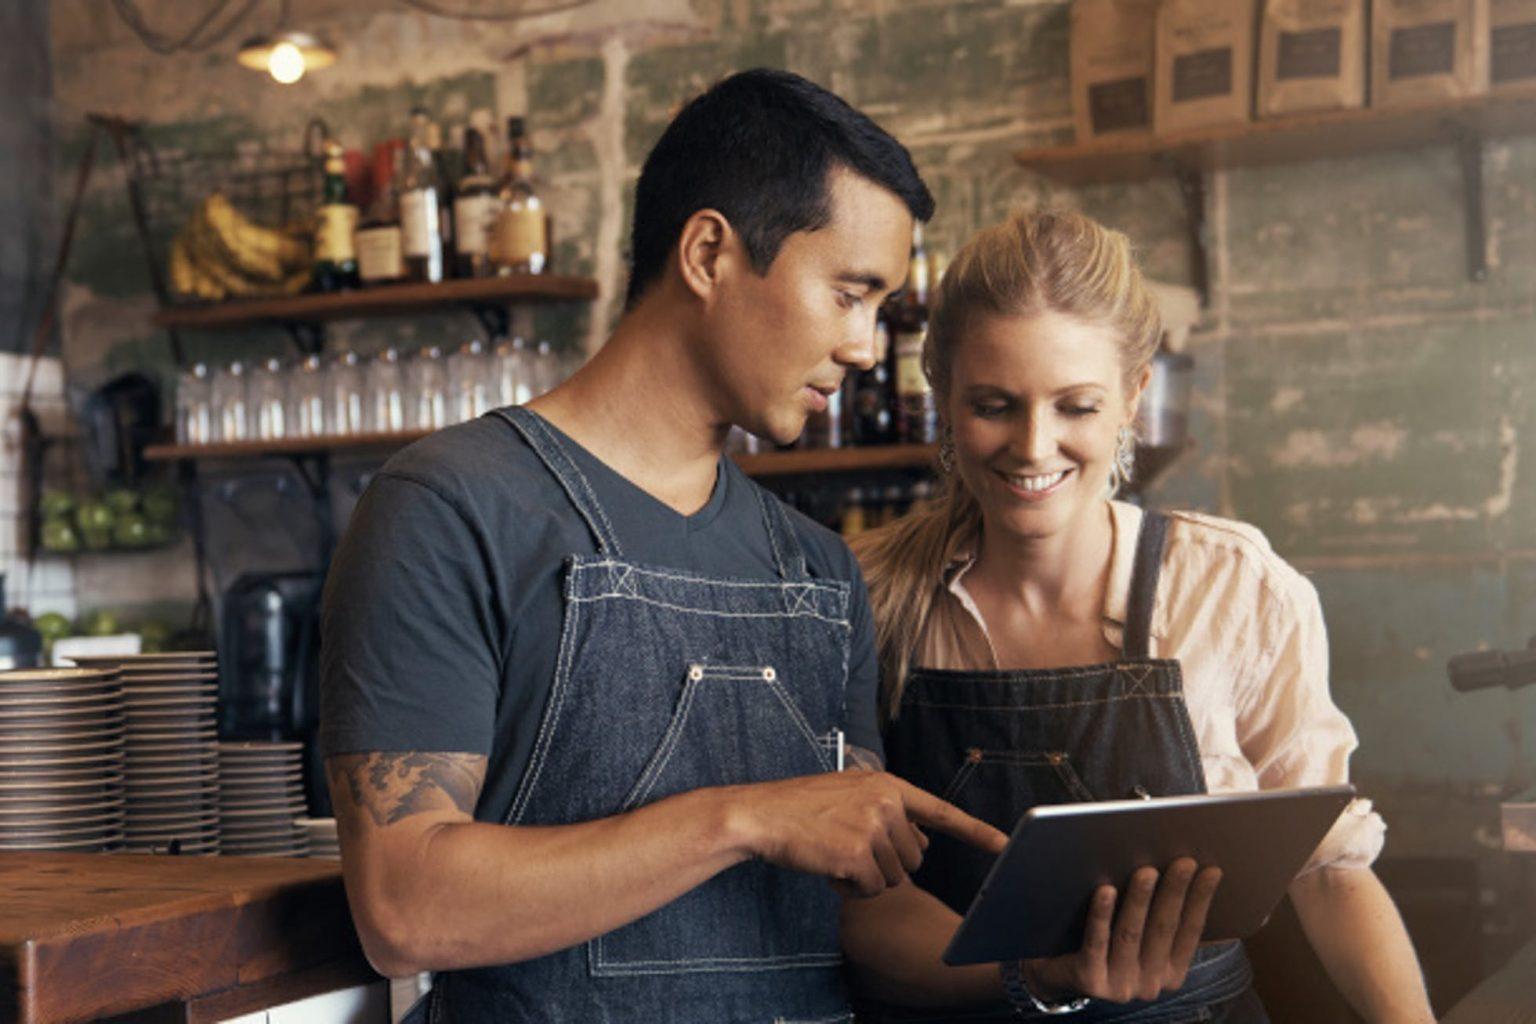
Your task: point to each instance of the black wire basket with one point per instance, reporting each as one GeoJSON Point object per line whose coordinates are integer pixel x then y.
{"type": "Point", "coordinates": [225, 226]}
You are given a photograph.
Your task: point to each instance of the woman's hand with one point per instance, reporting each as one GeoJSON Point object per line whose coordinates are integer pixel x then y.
{"type": "Point", "coordinates": [1143, 951]}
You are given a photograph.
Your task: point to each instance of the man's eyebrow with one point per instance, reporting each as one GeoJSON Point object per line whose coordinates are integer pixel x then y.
{"type": "Point", "coordinates": [869, 279]}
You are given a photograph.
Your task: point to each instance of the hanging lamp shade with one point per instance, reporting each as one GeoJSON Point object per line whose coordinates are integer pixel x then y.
{"type": "Point", "coordinates": [286, 56]}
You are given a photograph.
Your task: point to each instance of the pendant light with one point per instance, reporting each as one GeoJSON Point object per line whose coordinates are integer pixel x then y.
{"type": "Point", "coordinates": [287, 55]}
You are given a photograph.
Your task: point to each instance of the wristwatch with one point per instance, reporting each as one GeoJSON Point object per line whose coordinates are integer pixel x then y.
{"type": "Point", "coordinates": [1023, 999]}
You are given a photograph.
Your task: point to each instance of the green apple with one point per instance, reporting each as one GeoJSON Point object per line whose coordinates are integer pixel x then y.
{"type": "Point", "coordinates": [131, 531]}
{"type": "Point", "coordinates": [98, 623]}
{"type": "Point", "coordinates": [95, 517]}
{"type": "Point", "coordinates": [121, 500]}
{"type": "Point", "coordinates": [56, 504]}
{"type": "Point", "coordinates": [52, 626]}
{"type": "Point", "coordinates": [59, 536]}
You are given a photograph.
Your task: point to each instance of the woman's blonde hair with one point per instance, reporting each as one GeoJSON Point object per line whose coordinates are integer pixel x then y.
{"type": "Point", "coordinates": [1031, 263]}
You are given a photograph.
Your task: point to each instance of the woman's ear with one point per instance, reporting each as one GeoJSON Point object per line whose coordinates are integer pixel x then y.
{"type": "Point", "coordinates": [700, 247]}
{"type": "Point", "coordinates": [1138, 388]}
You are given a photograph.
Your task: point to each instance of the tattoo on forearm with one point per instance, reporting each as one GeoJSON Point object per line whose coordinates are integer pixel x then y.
{"type": "Point", "coordinates": [394, 786]}
{"type": "Point", "coordinates": [862, 759]}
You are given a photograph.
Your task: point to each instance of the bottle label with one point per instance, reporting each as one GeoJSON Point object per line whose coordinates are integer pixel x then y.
{"type": "Point", "coordinates": [472, 223]}
{"type": "Point", "coordinates": [379, 255]}
{"type": "Point", "coordinates": [520, 235]}
{"type": "Point", "coordinates": [911, 381]}
{"type": "Point", "coordinates": [333, 235]}
{"type": "Point", "coordinates": [418, 222]}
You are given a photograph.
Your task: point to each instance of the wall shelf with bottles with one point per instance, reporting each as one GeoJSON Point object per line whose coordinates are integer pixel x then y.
{"type": "Point", "coordinates": [387, 300]}
{"type": "Point", "coordinates": [1190, 156]}
{"type": "Point", "coordinates": [786, 463]}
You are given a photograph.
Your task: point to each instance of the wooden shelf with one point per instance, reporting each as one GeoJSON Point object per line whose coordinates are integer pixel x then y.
{"type": "Point", "coordinates": [838, 460]}
{"type": "Point", "coordinates": [287, 446]}
{"type": "Point", "coordinates": [388, 300]}
{"type": "Point", "coordinates": [1292, 139]}
{"type": "Point", "coordinates": [819, 460]}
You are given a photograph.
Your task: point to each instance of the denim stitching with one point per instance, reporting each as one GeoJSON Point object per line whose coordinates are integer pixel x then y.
{"type": "Point", "coordinates": [706, 965]}
{"type": "Point", "coordinates": [566, 472]}
{"type": "Point", "coordinates": [840, 1018]}
{"type": "Point", "coordinates": [710, 613]}
{"type": "Point", "coordinates": [665, 750]}
{"type": "Point", "coordinates": [1046, 675]}
{"type": "Point", "coordinates": [1041, 707]}
{"type": "Point", "coordinates": [558, 688]}
{"type": "Point", "coordinates": [568, 465]}
{"type": "Point", "coordinates": [792, 568]}
{"type": "Point", "coordinates": [798, 717]}
{"type": "Point", "coordinates": [837, 587]}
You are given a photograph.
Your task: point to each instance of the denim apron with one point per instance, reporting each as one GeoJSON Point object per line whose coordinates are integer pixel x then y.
{"type": "Point", "coordinates": [997, 743]}
{"type": "Point", "coordinates": [666, 682]}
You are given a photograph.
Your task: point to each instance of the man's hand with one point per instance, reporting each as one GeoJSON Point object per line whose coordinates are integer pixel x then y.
{"type": "Point", "coordinates": [1143, 951]}
{"type": "Point", "coordinates": [860, 829]}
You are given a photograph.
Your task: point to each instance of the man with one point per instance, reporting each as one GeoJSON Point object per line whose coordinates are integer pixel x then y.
{"type": "Point", "coordinates": [584, 682]}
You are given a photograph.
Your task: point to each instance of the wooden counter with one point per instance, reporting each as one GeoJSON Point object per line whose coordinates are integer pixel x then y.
{"type": "Point", "coordinates": [84, 936]}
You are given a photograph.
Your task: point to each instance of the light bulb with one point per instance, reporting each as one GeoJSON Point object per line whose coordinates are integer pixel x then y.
{"type": "Point", "coordinates": [286, 64]}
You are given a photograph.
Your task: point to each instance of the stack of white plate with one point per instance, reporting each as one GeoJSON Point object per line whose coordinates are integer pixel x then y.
{"type": "Point", "coordinates": [261, 799]}
{"type": "Point", "coordinates": [322, 837]}
{"type": "Point", "coordinates": [171, 754]}
{"type": "Point", "coordinates": [61, 760]}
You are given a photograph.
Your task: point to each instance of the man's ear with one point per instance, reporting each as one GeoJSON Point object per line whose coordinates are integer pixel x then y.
{"type": "Point", "coordinates": [701, 251]}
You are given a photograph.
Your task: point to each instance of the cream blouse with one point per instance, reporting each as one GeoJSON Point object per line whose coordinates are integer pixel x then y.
{"type": "Point", "coordinates": [1248, 632]}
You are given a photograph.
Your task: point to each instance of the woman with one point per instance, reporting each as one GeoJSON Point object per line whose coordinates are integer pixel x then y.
{"type": "Point", "coordinates": [1042, 643]}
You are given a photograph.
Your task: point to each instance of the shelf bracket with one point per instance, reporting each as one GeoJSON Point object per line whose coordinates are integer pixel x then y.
{"type": "Point", "coordinates": [315, 470]}
{"type": "Point", "coordinates": [307, 336]}
{"type": "Point", "coordinates": [1469, 144]}
{"type": "Point", "coordinates": [1192, 186]}
{"type": "Point", "coordinates": [493, 320]}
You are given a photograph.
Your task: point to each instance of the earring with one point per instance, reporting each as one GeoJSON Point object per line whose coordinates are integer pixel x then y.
{"type": "Point", "coordinates": [1124, 464]}
{"type": "Point", "coordinates": [947, 452]}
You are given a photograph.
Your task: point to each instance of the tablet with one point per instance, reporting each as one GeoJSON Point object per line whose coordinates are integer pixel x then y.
{"type": "Point", "coordinates": [1035, 900]}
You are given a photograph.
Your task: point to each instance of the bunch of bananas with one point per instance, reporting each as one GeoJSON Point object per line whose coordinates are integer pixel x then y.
{"type": "Point", "coordinates": [222, 254]}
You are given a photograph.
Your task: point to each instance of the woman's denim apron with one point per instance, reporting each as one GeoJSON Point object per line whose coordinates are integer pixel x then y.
{"type": "Point", "coordinates": [666, 682]}
{"type": "Point", "coordinates": [997, 743]}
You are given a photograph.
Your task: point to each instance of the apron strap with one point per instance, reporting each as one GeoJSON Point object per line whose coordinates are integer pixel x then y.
{"type": "Point", "coordinates": [547, 446]}
{"type": "Point", "coordinates": [788, 555]}
{"type": "Point", "coordinates": [1148, 567]}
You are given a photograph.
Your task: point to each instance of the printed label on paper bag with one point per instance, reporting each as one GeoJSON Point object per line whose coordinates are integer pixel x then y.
{"type": "Point", "coordinates": [1422, 50]}
{"type": "Point", "coordinates": [1202, 75]}
{"type": "Point", "coordinates": [1116, 106]}
{"type": "Point", "coordinates": [1314, 54]}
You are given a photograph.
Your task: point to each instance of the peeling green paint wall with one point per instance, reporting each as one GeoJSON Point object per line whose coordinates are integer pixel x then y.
{"type": "Point", "coordinates": [1358, 398]}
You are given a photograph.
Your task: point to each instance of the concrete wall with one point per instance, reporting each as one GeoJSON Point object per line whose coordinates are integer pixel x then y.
{"type": "Point", "coordinates": [1359, 399]}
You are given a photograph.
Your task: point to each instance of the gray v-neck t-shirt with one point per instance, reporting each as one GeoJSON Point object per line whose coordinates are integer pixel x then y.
{"type": "Point", "coordinates": [443, 605]}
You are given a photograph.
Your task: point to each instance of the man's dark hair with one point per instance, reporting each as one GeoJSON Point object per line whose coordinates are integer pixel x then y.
{"type": "Point", "coordinates": [759, 147]}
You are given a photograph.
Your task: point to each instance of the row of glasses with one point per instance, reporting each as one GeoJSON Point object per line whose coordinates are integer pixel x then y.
{"type": "Point", "coordinates": [390, 393]}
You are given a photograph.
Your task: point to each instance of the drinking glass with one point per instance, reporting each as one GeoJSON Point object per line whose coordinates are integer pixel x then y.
{"type": "Point", "coordinates": [514, 368]}
{"type": "Point", "coordinates": [306, 398]}
{"type": "Point", "coordinates": [428, 390]}
{"type": "Point", "coordinates": [269, 401]}
{"type": "Point", "coordinates": [472, 383]}
{"type": "Point", "coordinates": [231, 404]}
{"type": "Point", "coordinates": [194, 406]}
{"type": "Point", "coordinates": [384, 382]}
{"type": "Point", "coordinates": [345, 396]}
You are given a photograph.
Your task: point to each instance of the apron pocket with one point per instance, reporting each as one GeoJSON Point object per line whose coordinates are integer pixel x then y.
{"type": "Point", "coordinates": [731, 725]}
{"type": "Point", "coordinates": [990, 784]}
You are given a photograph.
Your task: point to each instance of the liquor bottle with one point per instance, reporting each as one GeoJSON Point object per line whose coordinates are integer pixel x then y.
{"type": "Point", "coordinates": [335, 249]}
{"type": "Point", "coordinates": [916, 409]}
{"type": "Point", "coordinates": [473, 211]}
{"type": "Point", "coordinates": [380, 258]}
{"type": "Point", "coordinates": [870, 398]}
{"type": "Point", "coordinates": [421, 232]}
{"type": "Point", "coordinates": [520, 241]}
{"type": "Point", "coordinates": [449, 162]}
